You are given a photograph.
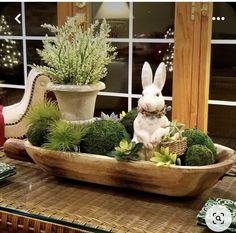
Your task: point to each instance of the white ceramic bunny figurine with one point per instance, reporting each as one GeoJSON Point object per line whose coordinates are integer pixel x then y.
{"type": "Point", "coordinates": [151, 124]}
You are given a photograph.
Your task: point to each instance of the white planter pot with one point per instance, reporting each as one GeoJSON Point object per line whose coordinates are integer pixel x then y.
{"type": "Point", "coordinates": [76, 103]}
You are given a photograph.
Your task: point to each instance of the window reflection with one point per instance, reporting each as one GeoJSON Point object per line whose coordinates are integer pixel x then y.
{"type": "Point", "coordinates": [226, 28]}
{"type": "Point", "coordinates": [110, 104]}
{"type": "Point", "coordinates": [154, 53]}
{"type": "Point", "coordinates": [116, 14]}
{"type": "Point", "coordinates": [9, 96]}
{"type": "Point", "coordinates": [151, 20]}
{"type": "Point", "coordinates": [8, 24]}
{"type": "Point", "coordinates": [117, 76]}
{"type": "Point", "coordinates": [221, 119]}
{"type": "Point", "coordinates": [37, 14]}
{"type": "Point", "coordinates": [222, 125]}
{"type": "Point", "coordinates": [223, 72]}
{"type": "Point", "coordinates": [11, 64]}
{"type": "Point", "coordinates": [32, 55]}
{"type": "Point", "coordinates": [10, 56]}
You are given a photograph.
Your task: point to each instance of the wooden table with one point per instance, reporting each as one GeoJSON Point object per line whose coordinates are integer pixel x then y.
{"type": "Point", "coordinates": [41, 202]}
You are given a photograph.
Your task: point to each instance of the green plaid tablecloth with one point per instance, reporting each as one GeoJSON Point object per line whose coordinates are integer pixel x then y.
{"type": "Point", "coordinates": [6, 171]}
{"type": "Point", "coordinates": [229, 204]}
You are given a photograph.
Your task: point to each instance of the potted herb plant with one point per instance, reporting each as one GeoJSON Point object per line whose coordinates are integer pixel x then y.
{"type": "Point", "coordinates": [76, 61]}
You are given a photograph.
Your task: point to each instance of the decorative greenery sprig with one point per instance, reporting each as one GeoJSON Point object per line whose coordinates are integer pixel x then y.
{"type": "Point", "coordinates": [126, 151]}
{"type": "Point", "coordinates": [43, 111]}
{"type": "Point", "coordinates": [75, 56]}
{"type": "Point", "coordinates": [164, 157]}
{"type": "Point", "coordinates": [64, 136]}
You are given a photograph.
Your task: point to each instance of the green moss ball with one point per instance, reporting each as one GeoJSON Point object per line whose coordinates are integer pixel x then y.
{"type": "Point", "coordinates": [128, 121]}
{"type": "Point", "coordinates": [37, 133]}
{"type": "Point", "coordinates": [199, 155]}
{"type": "Point", "coordinates": [103, 136]}
{"type": "Point", "coordinates": [195, 137]}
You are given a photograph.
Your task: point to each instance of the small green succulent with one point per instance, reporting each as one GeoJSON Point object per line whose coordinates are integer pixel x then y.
{"type": "Point", "coordinates": [126, 151]}
{"type": "Point", "coordinates": [175, 132]}
{"type": "Point", "coordinates": [164, 157]}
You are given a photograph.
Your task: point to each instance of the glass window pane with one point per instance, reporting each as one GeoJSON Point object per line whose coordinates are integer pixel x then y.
{"type": "Point", "coordinates": [222, 125]}
{"type": "Point", "coordinates": [38, 14]}
{"type": "Point", "coordinates": [153, 20]}
{"type": "Point", "coordinates": [9, 96]}
{"type": "Point", "coordinates": [8, 24]}
{"type": "Point", "coordinates": [154, 54]}
{"type": "Point", "coordinates": [223, 72]}
{"type": "Point", "coordinates": [116, 14]}
{"type": "Point", "coordinates": [11, 62]}
{"type": "Point", "coordinates": [224, 20]}
{"type": "Point", "coordinates": [32, 55]}
{"type": "Point", "coordinates": [117, 77]}
{"type": "Point", "coordinates": [109, 104]}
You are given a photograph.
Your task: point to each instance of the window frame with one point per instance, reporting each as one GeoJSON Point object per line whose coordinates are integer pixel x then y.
{"type": "Point", "coordinates": [193, 111]}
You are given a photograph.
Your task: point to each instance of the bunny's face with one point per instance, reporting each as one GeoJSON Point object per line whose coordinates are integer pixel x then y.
{"type": "Point", "coordinates": [152, 99]}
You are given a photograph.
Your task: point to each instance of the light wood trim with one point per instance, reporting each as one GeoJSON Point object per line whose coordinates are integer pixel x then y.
{"type": "Point", "coordinates": [191, 65]}
{"type": "Point", "coordinates": [196, 40]}
{"type": "Point", "coordinates": [205, 65]}
{"type": "Point", "coordinates": [182, 73]}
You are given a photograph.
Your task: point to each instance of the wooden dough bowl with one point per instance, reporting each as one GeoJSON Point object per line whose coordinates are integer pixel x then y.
{"type": "Point", "coordinates": [140, 175]}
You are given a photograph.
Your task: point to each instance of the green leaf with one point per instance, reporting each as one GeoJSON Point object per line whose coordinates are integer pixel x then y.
{"type": "Point", "coordinates": [166, 151]}
{"type": "Point", "coordinates": [124, 144]}
{"type": "Point", "coordinates": [164, 157]}
{"type": "Point", "coordinates": [173, 157]}
{"type": "Point", "coordinates": [157, 159]}
{"type": "Point", "coordinates": [160, 164]}
{"type": "Point", "coordinates": [126, 151]}
{"type": "Point", "coordinates": [178, 161]}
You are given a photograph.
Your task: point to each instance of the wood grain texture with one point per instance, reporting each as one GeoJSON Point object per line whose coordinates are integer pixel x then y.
{"type": "Point", "coordinates": [140, 175]}
{"type": "Point", "coordinates": [15, 149]}
{"type": "Point", "coordinates": [182, 73]}
{"type": "Point", "coordinates": [192, 64]}
{"type": "Point", "coordinates": [205, 65]}
{"type": "Point", "coordinates": [196, 43]}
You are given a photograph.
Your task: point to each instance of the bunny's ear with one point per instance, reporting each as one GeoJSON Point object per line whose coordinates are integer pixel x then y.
{"type": "Point", "coordinates": [146, 75]}
{"type": "Point", "coordinates": [160, 76]}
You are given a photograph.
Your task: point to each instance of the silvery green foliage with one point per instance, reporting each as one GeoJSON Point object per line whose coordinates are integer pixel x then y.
{"type": "Point", "coordinates": [75, 56]}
